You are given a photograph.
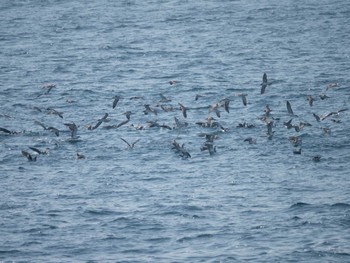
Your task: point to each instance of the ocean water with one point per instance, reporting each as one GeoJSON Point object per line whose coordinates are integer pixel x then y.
{"type": "Point", "coordinates": [244, 202]}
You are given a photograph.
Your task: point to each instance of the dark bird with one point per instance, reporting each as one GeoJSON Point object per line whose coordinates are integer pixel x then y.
{"type": "Point", "coordinates": [310, 99]}
{"type": "Point", "coordinates": [80, 156]}
{"type": "Point", "coordinates": [55, 112]}
{"type": "Point", "coordinates": [172, 82]}
{"type": "Point", "coordinates": [323, 96]}
{"type": "Point", "coordinates": [51, 129]}
{"type": "Point", "coordinates": [332, 113]}
{"type": "Point", "coordinates": [269, 129]}
{"type": "Point", "coordinates": [295, 140]}
{"type": "Point", "coordinates": [127, 114]}
{"type": "Point", "coordinates": [164, 99]}
{"type": "Point", "coordinates": [251, 140]}
{"type": "Point", "coordinates": [38, 151]}
{"type": "Point", "coordinates": [99, 122]}
{"type": "Point", "coordinates": [226, 105]}
{"type": "Point", "coordinates": [6, 131]}
{"type": "Point", "coordinates": [288, 124]}
{"type": "Point", "coordinates": [244, 98]}
{"type": "Point", "coordinates": [29, 156]}
{"type": "Point", "coordinates": [297, 151]}
{"type": "Point", "coordinates": [263, 84]}
{"type": "Point", "coordinates": [130, 145]}
{"type": "Point", "coordinates": [73, 128]}
{"type": "Point", "coordinates": [316, 117]}
{"type": "Point", "coordinates": [184, 110]}
{"type": "Point", "coordinates": [115, 101]}
{"type": "Point", "coordinates": [316, 158]}
{"type": "Point", "coordinates": [149, 110]}
{"type": "Point", "coordinates": [289, 108]}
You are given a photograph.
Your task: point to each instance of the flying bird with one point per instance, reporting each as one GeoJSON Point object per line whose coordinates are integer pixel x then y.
{"type": "Point", "coordinates": [263, 84]}
{"type": "Point", "coordinates": [130, 145]}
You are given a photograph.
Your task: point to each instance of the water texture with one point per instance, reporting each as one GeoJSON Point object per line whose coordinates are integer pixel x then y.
{"type": "Point", "coordinates": [151, 202]}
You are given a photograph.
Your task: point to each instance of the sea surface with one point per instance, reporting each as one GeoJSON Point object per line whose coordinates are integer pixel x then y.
{"type": "Point", "coordinates": [65, 62]}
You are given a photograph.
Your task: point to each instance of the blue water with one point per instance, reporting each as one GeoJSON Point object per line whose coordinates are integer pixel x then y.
{"type": "Point", "coordinates": [245, 202]}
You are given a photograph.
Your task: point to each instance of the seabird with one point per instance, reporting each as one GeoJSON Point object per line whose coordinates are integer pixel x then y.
{"type": "Point", "coordinates": [80, 156]}
{"type": "Point", "coordinates": [295, 140]}
{"type": "Point", "coordinates": [316, 158]}
{"type": "Point", "coordinates": [130, 145]}
{"type": "Point", "coordinates": [288, 124]}
{"type": "Point", "coordinates": [149, 110]}
{"type": "Point", "coordinates": [210, 147]}
{"type": "Point", "coordinates": [332, 85]}
{"type": "Point", "coordinates": [244, 98]}
{"type": "Point", "coordinates": [127, 114]}
{"type": "Point", "coordinates": [263, 84]}
{"type": "Point", "coordinates": [323, 96]}
{"type": "Point", "coordinates": [6, 131]}
{"type": "Point", "coordinates": [99, 122]}
{"type": "Point", "coordinates": [38, 151]}
{"type": "Point", "coordinates": [51, 129]}
{"type": "Point", "coordinates": [215, 108]}
{"type": "Point", "coordinates": [164, 99]}
{"type": "Point", "coordinates": [332, 113]}
{"type": "Point", "coordinates": [316, 117]}
{"type": "Point", "coordinates": [310, 99]}
{"type": "Point", "coordinates": [297, 151]}
{"type": "Point", "coordinates": [29, 156]}
{"type": "Point", "coordinates": [289, 108]}
{"type": "Point", "coordinates": [183, 109]}
{"type": "Point", "coordinates": [115, 101]}
{"type": "Point", "coordinates": [55, 112]}
{"type": "Point", "coordinates": [251, 140]}
{"type": "Point", "coordinates": [73, 128]}
{"type": "Point", "coordinates": [172, 82]}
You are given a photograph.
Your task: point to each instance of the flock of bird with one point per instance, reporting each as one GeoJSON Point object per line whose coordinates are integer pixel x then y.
{"type": "Point", "coordinates": [212, 127]}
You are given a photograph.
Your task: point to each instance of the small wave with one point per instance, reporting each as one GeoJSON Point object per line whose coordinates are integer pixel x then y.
{"type": "Point", "coordinates": [341, 205]}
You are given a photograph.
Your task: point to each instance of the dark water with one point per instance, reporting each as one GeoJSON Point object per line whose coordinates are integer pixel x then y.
{"type": "Point", "coordinates": [246, 202]}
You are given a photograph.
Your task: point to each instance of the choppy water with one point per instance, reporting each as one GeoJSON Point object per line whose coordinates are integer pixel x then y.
{"type": "Point", "coordinates": [246, 202]}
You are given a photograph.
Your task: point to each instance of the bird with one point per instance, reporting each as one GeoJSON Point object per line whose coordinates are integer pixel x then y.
{"type": "Point", "coordinates": [164, 99]}
{"type": "Point", "coordinates": [316, 117]}
{"type": "Point", "coordinates": [38, 151]}
{"type": "Point", "coordinates": [183, 109]}
{"type": "Point", "coordinates": [244, 98]}
{"type": "Point", "coordinates": [99, 122]}
{"type": "Point", "coordinates": [332, 85]}
{"type": "Point", "coordinates": [288, 124]}
{"type": "Point", "coordinates": [29, 156]}
{"type": "Point", "coordinates": [130, 145]}
{"type": "Point", "coordinates": [73, 128]}
{"type": "Point", "coordinates": [297, 151]}
{"type": "Point", "coordinates": [55, 112]}
{"type": "Point", "coordinates": [332, 113]}
{"type": "Point", "coordinates": [310, 99]}
{"type": "Point", "coordinates": [127, 114]}
{"type": "Point", "coordinates": [115, 101]}
{"type": "Point", "coordinates": [316, 158]}
{"type": "Point", "coordinates": [289, 108]}
{"type": "Point", "coordinates": [80, 156]}
{"type": "Point", "coordinates": [6, 131]}
{"type": "Point", "coordinates": [51, 129]}
{"type": "Point", "coordinates": [251, 140]}
{"type": "Point", "coordinates": [263, 84]}
{"type": "Point", "coordinates": [149, 110]}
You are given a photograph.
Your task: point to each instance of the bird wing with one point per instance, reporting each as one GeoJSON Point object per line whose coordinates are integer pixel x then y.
{"type": "Point", "coordinates": [289, 108]}
{"type": "Point", "coordinates": [126, 142]}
